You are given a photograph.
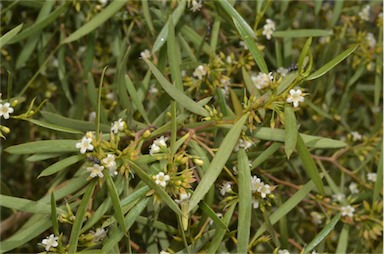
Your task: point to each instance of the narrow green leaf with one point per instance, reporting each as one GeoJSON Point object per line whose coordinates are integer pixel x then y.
{"type": "Point", "coordinates": [38, 26]}
{"type": "Point", "coordinates": [297, 33]}
{"type": "Point", "coordinates": [309, 165]}
{"type": "Point", "coordinates": [42, 156]}
{"type": "Point", "coordinates": [342, 243]}
{"type": "Point", "coordinates": [139, 193]}
{"type": "Point", "coordinates": [219, 235]}
{"type": "Point", "coordinates": [174, 58]}
{"type": "Point", "coordinates": [378, 184]}
{"type": "Point", "coordinates": [322, 234]}
{"type": "Point", "coordinates": [245, 202]}
{"type": "Point", "coordinates": [99, 106]}
{"type": "Point", "coordinates": [291, 132]}
{"type": "Point", "coordinates": [177, 95]}
{"type": "Point", "coordinates": [162, 37]}
{"type": "Point", "coordinates": [53, 126]}
{"type": "Point", "coordinates": [265, 133]}
{"type": "Point", "coordinates": [304, 53]}
{"type": "Point", "coordinates": [198, 245]}
{"type": "Point", "coordinates": [9, 35]}
{"type": "Point", "coordinates": [286, 82]}
{"type": "Point", "coordinates": [218, 162]}
{"type": "Point", "coordinates": [93, 97]}
{"type": "Point", "coordinates": [147, 16]}
{"type": "Point", "coordinates": [249, 41]}
{"type": "Point", "coordinates": [265, 155]}
{"type": "Point", "coordinates": [337, 9]}
{"type": "Point", "coordinates": [335, 61]}
{"type": "Point", "coordinates": [55, 224]}
{"type": "Point", "coordinates": [211, 214]}
{"type": "Point", "coordinates": [112, 191]}
{"type": "Point", "coordinates": [160, 191]}
{"type": "Point", "coordinates": [60, 165]}
{"type": "Point", "coordinates": [135, 98]}
{"type": "Point", "coordinates": [24, 205]}
{"type": "Point", "coordinates": [96, 21]}
{"type": "Point", "coordinates": [80, 215]}
{"type": "Point", "coordinates": [45, 146]}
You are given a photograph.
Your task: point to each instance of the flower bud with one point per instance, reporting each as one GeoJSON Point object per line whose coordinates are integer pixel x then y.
{"type": "Point", "coordinates": [147, 133]}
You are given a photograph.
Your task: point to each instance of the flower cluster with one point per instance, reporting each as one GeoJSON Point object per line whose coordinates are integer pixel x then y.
{"type": "Point", "coordinates": [269, 28]}
{"type": "Point", "coordinates": [199, 72]}
{"type": "Point", "coordinates": [117, 126]}
{"type": "Point", "coordinates": [262, 80]}
{"type": "Point", "coordinates": [196, 5]}
{"type": "Point", "coordinates": [243, 143]}
{"type": "Point", "coordinates": [260, 188]}
{"type": "Point", "coordinates": [158, 145]}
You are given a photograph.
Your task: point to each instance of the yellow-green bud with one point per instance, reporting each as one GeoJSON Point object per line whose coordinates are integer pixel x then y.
{"type": "Point", "coordinates": [147, 133]}
{"type": "Point", "coordinates": [198, 162]}
{"type": "Point", "coordinates": [5, 129]}
{"type": "Point", "coordinates": [14, 103]}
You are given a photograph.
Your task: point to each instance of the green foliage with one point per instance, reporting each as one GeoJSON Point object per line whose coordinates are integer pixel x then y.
{"type": "Point", "coordinates": [190, 126]}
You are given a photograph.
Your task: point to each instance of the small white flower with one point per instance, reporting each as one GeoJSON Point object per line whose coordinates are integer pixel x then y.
{"type": "Point", "coordinates": [162, 179]}
{"type": "Point", "coordinates": [324, 39]}
{"type": "Point", "coordinates": [5, 110]}
{"type": "Point", "coordinates": [92, 116]}
{"type": "Point", "coordinates": [314, 252]}
{"type": "Point", "coordinates": [235, 171]}
{"type": "Point", "coordinates": [110, 163]}
{"type": "Point", "coordinates": [255, 203]}
{"type": "Point", "coordinates": [96, 170]}
{"type": "Point", "coordinates": [225, 187]}
{"type": "Point", "coordinates": [196, 5]}
{"type": "Point", "coordinates": [99, 235]}
{"type": "Point", "coordinates": [265, 189]}
{"type": "Point", "coordinates": [269, 28]}
{"type": "Point", "coordinates": [262, 80]}
{"type": "Point", "coordinates": [295, 97]}
{"type": "Point", "coordinates": [285, 251]}
{"type": "Point", "coordinates": [111, 96]}
{"type": "Point", "coordinates": [243, 144]}
{"type": "Point", "coordinates": [199, 72]}
{"type": "Point", "coordinates": [85, 144]}
{"type": "Point", "coordinates": [242, 43]}
{"type": "Point", "coordinates": [372, 177]}
{"type": "Point", "coordinates": [356, 136]}
{"type": "Point", "coordinates": [157, 145]}
{"type": "Point", "coordinates": [154, 149]}
{"type": "Point", "coordinates": [229, 59]}
{"type": "Point", "coordinates": [317, 218]}
{"type": "Point", "coordinates": [338, 197]}
{"type": "Point", "coordinates": [282, 71]}
{"type": "Point", "coordinates": [103, 2]}
{"type": "Point", "coordinates": [153, 90]}
{"type": "Point", "coordinates": [117, 126]}
{"type": "Point", "coordinates": [50, 241]}
{"type": "Point", "coordinates": [347, 211]}
{"type": "Point", "coordinates": [183, 197]}
{"type": "Point", "coordinates": [256, 184]}
{"type": "Point", "coordinates": [364, 13]}
{"type": "Point", "coordinates": [371, 40]}
{"type": "Point", "coordinates": [353, 188]}
{"type": "Point", "coordinates": [146, 54]}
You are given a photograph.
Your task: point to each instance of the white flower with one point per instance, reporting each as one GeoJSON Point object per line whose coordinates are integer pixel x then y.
{"type": "Point", "coordinates": [317, 218]}
{"type": "Point", "coordinates": [338, 197]}
{"type": "Point", "coordinates": [146, 54]}
{"type": "Point", "coordinates": [356, 136]}
{"type": "Point", "coordinates": [314, 252]}
{"type": "Point", "coordinates": [347, 211]}
{"type": "Point", "coordinates": [295, 97]}
{"type": "Point", "coordinates": [225, 187]}
{"type": "Point", "coordinates": [269, 28]}
{"type": "Point", "coordinates": [282, 71]}
{"type": "Point", "coordinates": [235, 171]}
{"type": "Point", "coordinates": [255, 203]}
{"type": "Point", "coordinates": [285, 251]}
{"type": "Point", "coordinates": [50, 241]}
{"type": "Point", "coordinates": [117, 126]}
{"type": "Point", "coordinates": [371, 40]}
{"type": "Point", "coordinates": [229, 59]}
{"type": "Point", "coordinates": [110, 163]}
{"type": "Point", "coordinates": [196, 5]}
{"type": "Point", "coordinates": [85, 144]}
{"type": "Point", "coordinates": [364, 13]}
{"type": "Point", "coordinates": [103, 2]}
{"type": "Point", "coordinates": [256, 184]}
{"type": "Point", "coordinates": [162, 179]}
{"type": "Point", "coordinates": [264, 190]}
{"type": "Point", "coordinates": [243, 45]}
{"type": "Point", "coordinates": [153, 90]}
{"type": "Point", "coordinates": [92, 116]}
{"type": "Point", "coordinates": [199, 72]}
{"type": "Point", "coordinates": [96, 170]}
{"type": "Point", "coordinates": [183, 197]}
{"type": "Point", "coordinates": [262, 80]}
{"type": "Point", "coordinates": [353, 188]}
{"type": "Point", "coordinates": [99, 235]}
{"type": "Point", "coordinates": [372, 177]}
{"type": "Point", "coordinates": [157, 145]}
{"type": "Point", "coordinates": [5, 110]}
{"type": "Point", "coordinates": [243, 144]}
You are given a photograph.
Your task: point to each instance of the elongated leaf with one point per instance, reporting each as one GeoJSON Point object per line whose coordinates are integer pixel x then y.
{"type": "Point", "coordinates": [42, 156]}
{"type": "Point", "coordinates": [309, 165]}
{"type": "Point", "coordinates": [55, 223]}
{"type": "Point", "coordinates": [37, 27]}
{"type": "Point", "coordinates": [174, 58]}
{"type": "Point", "coordinates": [25, 205]}
{"type": "Point", "coordinates": [304, 53]}
{"type": "Point", "coordinates": [160, 191]}
{"type": "Point", "coordinates": [53, 126]}
{"type": "Point", "coordinates": [9, 35]}
{"type": "Point", "coordinates": [211, 214]}
{"type": "Point", "coordinates": [286, 82]}
{"type": "Point", "coordinates": [265, 133]}
{"type": "Point", "coordinates": [60, 165]}
{"type": "Point", "coordinates": [112, 191]}
{"type": "Point", "coordinates": [135, 98]}
{"type": "Point", "coordinates": [290, 130]}
{"type": "Point", "coordinates": [218, 162]}
{"type": "Point", "coordinates": [197, 245]}
{"type": "Point", "coordinates": [45, 146]}
{"type": "Point", "coordinates": [265, 155]}
{"type": "Point", "coordinates": [177, 95]}
{"type": "Point", "coordinates": [249, 41]}
{"type": "Point", "coordinates": [302, 33]}
{"type": "Point", "coordinates": [322, 234]}
{"type": "Point", "coordinates": [93, 98]}
{"type": "Point", "coordinates": [80, 215]}
{"type": "Point", "coordinates": [94, 23]}
{"type": "Point", "coordinates": [245, 204]}
{"type": "Point", "coordinates": [335, 61]}
{"type": "Point", "coordinates": [342, 243]}
{"type": "Point", "coordinates": [162, 37]}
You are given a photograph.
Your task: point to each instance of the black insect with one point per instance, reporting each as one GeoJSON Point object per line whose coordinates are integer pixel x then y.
{"type": "Point", "coordinates": [293, 67]}
{"type": "Point", "coordinates": [94, 160]}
